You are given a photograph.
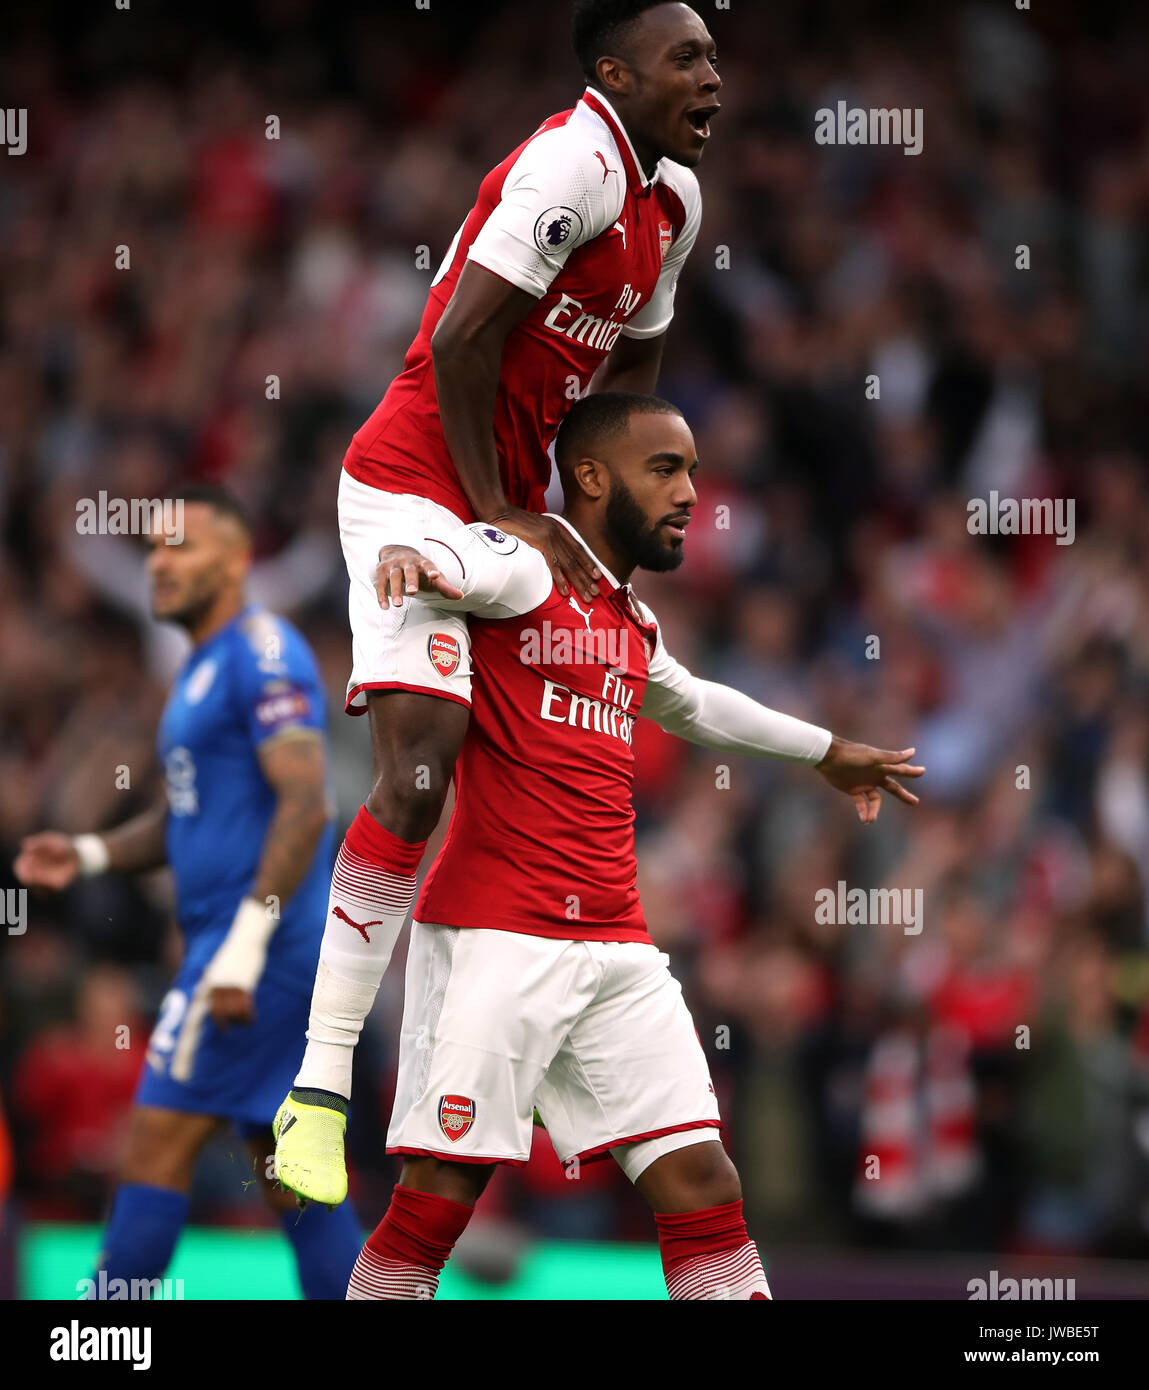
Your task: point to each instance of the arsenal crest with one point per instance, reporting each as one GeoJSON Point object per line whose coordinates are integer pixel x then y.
{"type": "Point", "coordinates": [665, 237]}
{"type": "Point", "coordinates": [444, 652]}
{"type": "Point", "coordinates": [456, 1116]}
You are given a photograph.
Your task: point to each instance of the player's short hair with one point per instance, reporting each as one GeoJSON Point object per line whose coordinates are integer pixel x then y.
{"type": "Point", "coordinates": [602, 28]}
{"type": "Point", "coordinates": [220, 501]}
{"type": "Point", "coordinates": [593, 419]}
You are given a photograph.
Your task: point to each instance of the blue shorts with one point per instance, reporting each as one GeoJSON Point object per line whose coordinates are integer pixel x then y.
{"type": "Point", "coordinates": [240, 1074]}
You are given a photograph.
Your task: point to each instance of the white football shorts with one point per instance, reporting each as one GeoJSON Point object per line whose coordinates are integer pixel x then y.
{"type": "Point", "coordinates": [414, 647]}
{"type": "Point", "coordinates": [594, 1034]}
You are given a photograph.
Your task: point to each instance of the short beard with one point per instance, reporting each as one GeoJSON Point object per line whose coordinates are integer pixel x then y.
{"type": "Point", "coordinates": [187, 617]}
{"type": "Point", "coordinates": [629, 534]}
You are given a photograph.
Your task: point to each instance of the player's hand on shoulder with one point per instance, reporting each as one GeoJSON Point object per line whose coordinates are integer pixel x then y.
{"type": "Point", "coordinates": [47, 860]}
{"type": "Point", "coordinates": [403, 570]}
{"type": "Point", "coordinates": [864, 773]}
{"type": "Point", "coordinates": [230, 1005]}
{"type": "Point", "coordinates": [570, 565]}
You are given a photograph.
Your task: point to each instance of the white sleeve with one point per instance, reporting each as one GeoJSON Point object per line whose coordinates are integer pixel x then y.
{"type": "Point", "coordinates": [501, 576]}
{"type": "Point", "coordinates": [654, 318]}
{"type": "Point", "coordinates": [554, 198]}
{"type": "Point", "coordinates": [718, 716]}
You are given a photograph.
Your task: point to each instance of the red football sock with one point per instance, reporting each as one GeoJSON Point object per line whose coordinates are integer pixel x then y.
{"type": "Point", "coordinates": [406, 1252]}
{"type": "Point", "coordinates": [708, 1254]}
{"type": "Point", "coordinates": [372, 889]}
{"type": "Point", "coordinates": [376, 867]}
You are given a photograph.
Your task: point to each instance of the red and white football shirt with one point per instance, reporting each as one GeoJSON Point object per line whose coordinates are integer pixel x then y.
{"type": "Point", "coordinates": [542, 835]}
{"type": "Point", "coordinates": [570, 218]}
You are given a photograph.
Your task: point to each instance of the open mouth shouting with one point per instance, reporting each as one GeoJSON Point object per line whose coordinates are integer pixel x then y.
{"type": "Point", "coordinates": [698, 118]}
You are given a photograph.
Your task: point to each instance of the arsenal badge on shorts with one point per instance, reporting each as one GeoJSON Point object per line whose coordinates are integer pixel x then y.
{"type": "Point", "coordinates": [456, 1116]}
{"type": "Point", "coordinates": [444, 652]}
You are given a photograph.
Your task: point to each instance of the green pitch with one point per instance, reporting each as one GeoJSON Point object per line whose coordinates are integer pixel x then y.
{"type": "Point", "coordinates": [232, 1264]}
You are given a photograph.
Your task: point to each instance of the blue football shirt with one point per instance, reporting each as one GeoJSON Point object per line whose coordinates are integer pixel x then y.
{"type": "Point", "coordinates": [253, 681]}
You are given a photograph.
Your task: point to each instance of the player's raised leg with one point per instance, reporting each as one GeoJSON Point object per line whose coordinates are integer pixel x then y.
{"type": "Point", "coordinates": [415, 741]}
{"type": "Point", "coordinates": [411, 675]}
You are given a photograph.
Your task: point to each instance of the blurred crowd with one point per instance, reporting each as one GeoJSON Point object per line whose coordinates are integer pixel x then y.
{"type": "Point", "coordinates": [862, 346]}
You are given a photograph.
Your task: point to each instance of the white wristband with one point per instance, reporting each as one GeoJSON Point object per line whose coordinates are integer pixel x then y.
{"type": "Point", "coordinates": [239, 961]}
{"type": "Point", "coordinates": [92, 852]}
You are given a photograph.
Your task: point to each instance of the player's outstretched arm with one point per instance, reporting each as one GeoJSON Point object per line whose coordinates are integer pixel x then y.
{"type": "Point", "coordinates": [52, 861]}
{"type": "Point", "coordinates": [717, 716]}
{"type": "Point", "coordinates": [864, 773]}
